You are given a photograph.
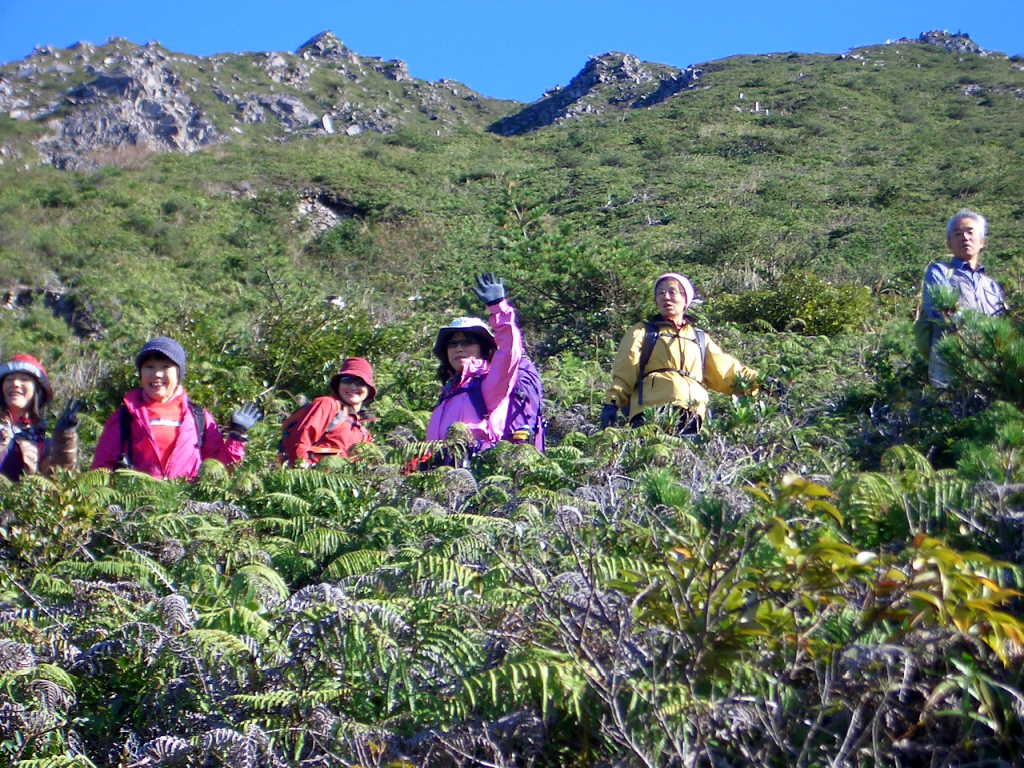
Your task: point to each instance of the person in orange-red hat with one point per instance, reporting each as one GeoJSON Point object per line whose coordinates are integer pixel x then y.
{"type": "Point", "coordinates": [332, 424]}
{"type": "Point", "coordinates": [25, 393]}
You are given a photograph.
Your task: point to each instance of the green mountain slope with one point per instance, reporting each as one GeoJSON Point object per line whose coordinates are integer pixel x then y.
{"type": "Point", "coordinates": [824, 577]}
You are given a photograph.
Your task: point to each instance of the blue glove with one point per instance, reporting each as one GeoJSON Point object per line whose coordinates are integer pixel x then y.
{"type": "Point", "coordinates": [69, 419]}
{"type": "Point", "coordinates": [489, 289]}
{"type": "Point", "coordinates": [609, 415]}
{"type": "Point", "coordinates": [243, 418]}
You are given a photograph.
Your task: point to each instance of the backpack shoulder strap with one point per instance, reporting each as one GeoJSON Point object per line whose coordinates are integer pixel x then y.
{"type": "Point", "coordinates": [474, 388]}
{"type": "Point", "coordinates": [330, 427]}
{"type": "Point", "coordinates": [124, 419]}
{"type": "Point", "coordinates": [702, 342]}
{"type": "Point", "coordinates": [650, 338]}
{"type": "Point", "coordinates": [199, 416]}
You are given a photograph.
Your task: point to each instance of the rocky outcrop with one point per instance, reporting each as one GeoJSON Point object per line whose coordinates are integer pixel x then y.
{"type": "Point", "coordinates": [614, 80]}
{"type": "Point", "coordinates": [78, 313]}
{"type": "Point", "coordinates": [960, 42]}
{"type": "Point", "coordinates": [139, 103]}
{"type": "Point", "coordinates": [289, 111]}
{"type": "Point", "coordinates": [89, 105]}
{"type": "Point", "coordinates": [319, 210]}
{"type": "Point", "coordinates": [326, 46]}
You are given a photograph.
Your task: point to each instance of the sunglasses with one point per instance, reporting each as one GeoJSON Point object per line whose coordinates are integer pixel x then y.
{"type": "Point", "coordinates": [463, 342]}
{"type": "Point", "coordinates": [353, 380]}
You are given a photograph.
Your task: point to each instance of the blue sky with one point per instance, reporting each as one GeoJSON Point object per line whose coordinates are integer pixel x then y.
{"type": "Point", "coordinates": [512, 50]}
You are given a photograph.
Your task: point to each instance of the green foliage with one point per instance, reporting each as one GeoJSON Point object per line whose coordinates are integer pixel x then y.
{"type": "Point", "coordinates": [801, 302]}
{"type": "Point", "coordinates": [824, 576]}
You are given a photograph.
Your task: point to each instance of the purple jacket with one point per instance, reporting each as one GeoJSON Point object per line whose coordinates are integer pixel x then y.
{"type": "Point", "coordinates": [184, 460]}
{"type": "Point", "coordinates": [498, 382]}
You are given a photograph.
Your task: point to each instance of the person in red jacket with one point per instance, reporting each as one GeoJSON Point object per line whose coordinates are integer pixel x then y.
{"type": "Point", "coordinates": [25, 393]}
{"type": "Point", "coordinates": [333, 423]}
{"type": "Point", "coordinates": [157, 430]}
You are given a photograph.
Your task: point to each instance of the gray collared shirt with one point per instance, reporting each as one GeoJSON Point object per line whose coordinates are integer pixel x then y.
{"type": "Point", "coordinates": [977, 291]}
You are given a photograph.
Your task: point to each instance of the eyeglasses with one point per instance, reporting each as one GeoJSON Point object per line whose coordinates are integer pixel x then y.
{"type": "Point", "coordinates": [354, 381]}
{"type": "Point", "coordinates": [465, 341]}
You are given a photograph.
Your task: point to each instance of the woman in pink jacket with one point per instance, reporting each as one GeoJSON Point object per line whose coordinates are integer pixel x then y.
{"type": "Point", "coordinates": [478, 368]}
{"type": "Point", "coordinates": [157, 430]}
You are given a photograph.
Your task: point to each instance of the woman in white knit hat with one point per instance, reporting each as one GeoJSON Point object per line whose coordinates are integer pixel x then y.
{"type": "Point", "coordinates": [669, 362]}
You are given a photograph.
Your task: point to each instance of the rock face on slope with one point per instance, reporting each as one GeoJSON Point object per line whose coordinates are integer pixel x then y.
{"type": "Point", "coordinates": [954, 43]}
{"type": "Point", "coordinates": [86, 106]}
{"type": "Point", "coordinates": [611, 80]}
{"type": "Point", "coordinates": [138, 102]}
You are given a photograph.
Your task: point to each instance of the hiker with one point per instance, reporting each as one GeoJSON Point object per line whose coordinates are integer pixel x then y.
{"type": "Point", "coordinates": [25, 393]}
{"type": "Point", "coordinates": [157, 430]}
{"type": "Point", "coordinates": [472, 355]}
{"type": "Point", "coordinates": [681, 363]}
{"type": "Point", "coordinates": [965, 237]}
{"type": "Point", "coordinates": [332, 424]}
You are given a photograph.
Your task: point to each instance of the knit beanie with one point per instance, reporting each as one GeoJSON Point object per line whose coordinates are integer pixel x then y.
{"type": "Point", "coordinates": [687, 285]}
{"type": "Point", "coordinates": [31, 366]}
{"type": "Point", "coordinates": [169, 348]}
{"type": "Point", "coordinates": [355, 366]}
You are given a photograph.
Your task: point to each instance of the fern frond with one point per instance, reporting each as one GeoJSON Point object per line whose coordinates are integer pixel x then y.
{"type": "Point", "coordinates": [903, 458]}
{"type": "Point", "coordinates": [550, 678]}
{"type": "Point", "coordinates": [278, 700]}
{"type": "Point", "coordinates": [236, 620]}
{"type": "Point", "coordinates": [355, 563]}
{"type": "Point", "coordinates": [218, 644]}
{"type": "Point", "coordinates": [323, 541]}
{"type": "Point", "coordinates": [59, 761]}
{"type": "Point", "coordinates": [289, 502]}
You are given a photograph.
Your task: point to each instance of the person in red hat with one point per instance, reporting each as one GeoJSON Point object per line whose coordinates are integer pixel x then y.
{"type": "Point", "coordinates": [332, 424]}
{"type": "Point", "coordinates": [25, 393]}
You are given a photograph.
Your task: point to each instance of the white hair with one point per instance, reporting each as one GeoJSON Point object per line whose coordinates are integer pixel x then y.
{"type": "Point", "coordinates": [966, 213]}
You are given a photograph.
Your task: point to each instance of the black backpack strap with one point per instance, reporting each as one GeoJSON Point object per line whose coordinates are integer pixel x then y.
{"type": "Point", "coordinates": [650, 338]}
{"type": "Point", "coordinates": [124, 419]}
{"type": "Point", "coordinates": [199, 416]}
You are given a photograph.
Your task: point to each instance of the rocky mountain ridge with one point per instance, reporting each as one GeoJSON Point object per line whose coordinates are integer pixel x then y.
{"type": "Point", "coordinates": [86, 106]}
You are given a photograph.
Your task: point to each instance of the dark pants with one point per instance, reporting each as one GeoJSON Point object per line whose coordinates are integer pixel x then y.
{"type": "Point", "coordinates": [688, 423]}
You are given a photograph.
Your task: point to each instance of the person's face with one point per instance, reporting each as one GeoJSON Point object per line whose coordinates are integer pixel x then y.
{"type": "Point", "coordinates": [19, 390]}
{"type": "Point", "coordinates": [462, 346]}
{"type": "Point", "coordinates": [670, 298]}
{"type": "Point", "coordinates": [966, 240]}
{"type": "Point", "coordinates": [159, 378]}
{"type": "Point", "coordinates": [352, 391]}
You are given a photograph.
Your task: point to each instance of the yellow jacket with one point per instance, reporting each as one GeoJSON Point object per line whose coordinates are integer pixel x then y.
{"type": "Point", "coordinates": [675, 351]}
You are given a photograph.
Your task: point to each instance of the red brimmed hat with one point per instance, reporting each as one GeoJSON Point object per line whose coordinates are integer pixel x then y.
{"type": "Point", "coordinates": [355, 366]}
{"type": "Point", "coordinates": [31, 366]}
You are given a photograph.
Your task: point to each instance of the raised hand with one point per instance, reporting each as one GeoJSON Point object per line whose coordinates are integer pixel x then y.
{"type": "Point", "coordinates": [243, 418]}
{"type": "Point", "coordinates": [489, 289]}
{"type": "Point", "coordinates": [69, 419]}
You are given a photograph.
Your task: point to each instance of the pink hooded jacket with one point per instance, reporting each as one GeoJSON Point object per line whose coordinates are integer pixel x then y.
{"type": "Point", "coordinates": [184, 460]}
{"type": "Point", "coordinates": [499, 381]}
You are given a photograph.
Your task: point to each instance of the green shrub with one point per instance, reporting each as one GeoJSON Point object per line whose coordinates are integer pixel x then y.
{"type": "Point", "coordinates": [801, 302]}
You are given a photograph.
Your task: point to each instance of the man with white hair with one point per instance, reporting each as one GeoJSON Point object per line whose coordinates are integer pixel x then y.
{"type": "Point", "coordinates": [965, 237]}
